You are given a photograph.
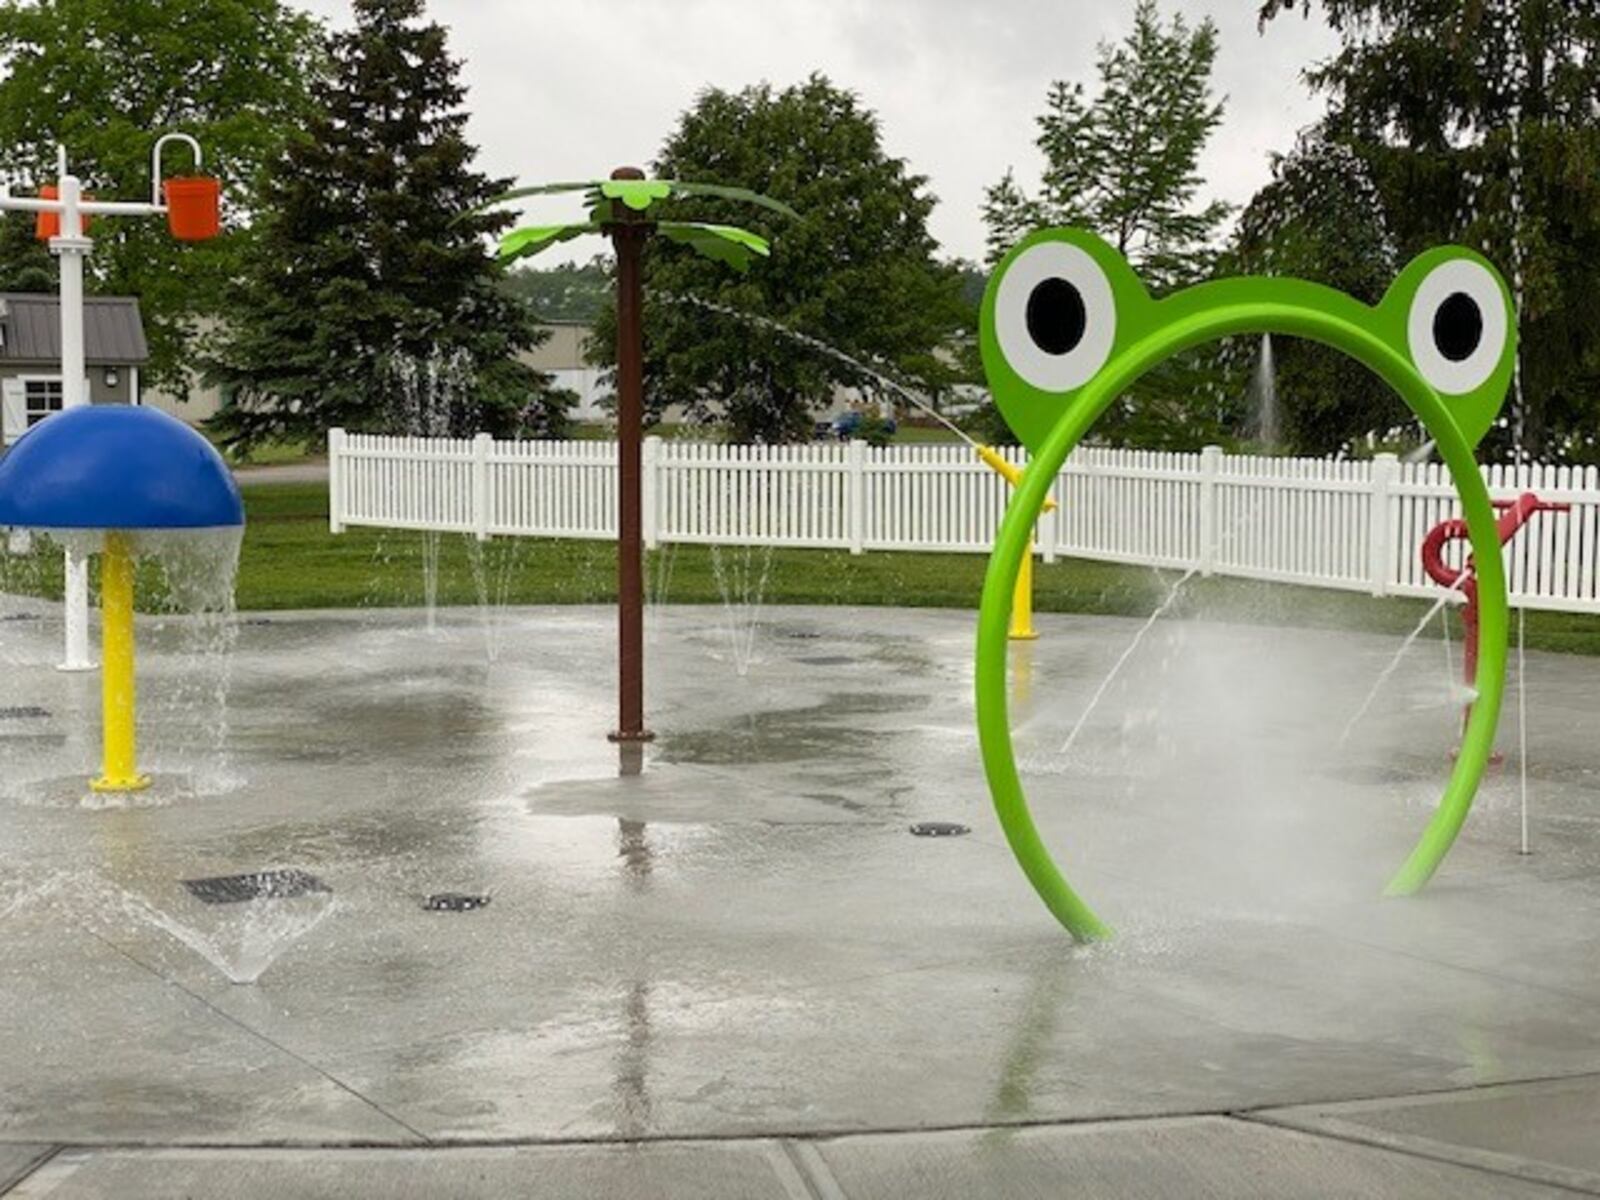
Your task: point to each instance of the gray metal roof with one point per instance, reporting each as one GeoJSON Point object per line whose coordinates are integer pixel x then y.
{"type": "Point", "coordinates": [30, 329]}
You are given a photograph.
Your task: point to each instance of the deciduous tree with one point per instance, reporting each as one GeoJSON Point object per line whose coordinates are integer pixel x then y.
{"type": "Point", "coordinates": [1124, 162]}
{"type": "Point", "coordinates": [855, 271]}
{"type": "Point", "coordinates": [104, 78]}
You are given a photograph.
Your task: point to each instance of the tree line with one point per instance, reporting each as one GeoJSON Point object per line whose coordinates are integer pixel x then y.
{"type": "Point", "coordinates": [351, 274]}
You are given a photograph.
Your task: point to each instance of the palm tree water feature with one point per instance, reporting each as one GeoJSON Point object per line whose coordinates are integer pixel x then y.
{"type": "Point", "coordinates": [620, 209]}
{"type": "Point", "coordinates": [124, 482]}
{"type": "Point", "coordinates": [1067, 327]}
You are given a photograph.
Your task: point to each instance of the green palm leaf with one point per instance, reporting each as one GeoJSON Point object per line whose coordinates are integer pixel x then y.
{"type": "Point", "coordinates": [637, 194]}
{"type": "Point", "coordinates": [722, 243]}
{"type": "Point", "coordinates": [531, 239]}
{"type": "Point", "coordinates": [733, 193]}
{"type": "Point", "coordinates": [640, 194]}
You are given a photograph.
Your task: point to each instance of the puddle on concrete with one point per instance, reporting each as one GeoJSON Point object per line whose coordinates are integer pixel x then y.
{"type": "Point", "coordinates": [819, 731]}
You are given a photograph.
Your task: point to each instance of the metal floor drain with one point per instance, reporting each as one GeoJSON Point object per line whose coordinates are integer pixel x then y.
{"type": "Point", "coordinates": [454, 902]}
{"type": "Point", "coordinates": [19, 616]}
{"type": "Point", "coordinates": [938, 829]}
{"type": "Point", "coordinates": [803, 635]}
{"type": "Point", "coordinates": [23, 712]}
{"type": "Point", "coordinates": [261, 885]}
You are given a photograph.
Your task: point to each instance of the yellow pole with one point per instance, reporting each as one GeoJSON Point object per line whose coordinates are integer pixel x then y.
{"type": "Point", "coordinates": [119, 772]}
{"type": "Point", "coordinates": [1022, 629]}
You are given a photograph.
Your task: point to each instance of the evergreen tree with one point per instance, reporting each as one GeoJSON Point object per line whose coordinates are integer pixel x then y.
{"type": "Point", "coordinates": [105, 78]}
{"type": "Point", "coordinates": [25, 262]}
{"type": "Point", "coordinates": [856, 271]}
{"type": "Point", "coordinates": [1124, 163]}
{"type": "Point", "coordinates": [1475, 119]}
{"type": "Point", "coordinates": [371, 300]}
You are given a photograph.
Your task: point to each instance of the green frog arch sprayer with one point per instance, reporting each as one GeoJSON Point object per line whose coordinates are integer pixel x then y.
{"type": "Point", "coordinates": [1067, 327]}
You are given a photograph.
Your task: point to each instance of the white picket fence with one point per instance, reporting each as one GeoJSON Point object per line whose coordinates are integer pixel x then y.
{"type": "Point", "coordinates": [1352, 525]}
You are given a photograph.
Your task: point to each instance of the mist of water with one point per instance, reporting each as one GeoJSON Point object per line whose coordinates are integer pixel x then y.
{"type": "Point", "coordinates": [431, 395]}
{"type": "Point", "coordinates": [187, 636]}
{"type": "Point", "coordinates": [741, 575]}
{"type": "Point", "coordinates": [1267, 420]}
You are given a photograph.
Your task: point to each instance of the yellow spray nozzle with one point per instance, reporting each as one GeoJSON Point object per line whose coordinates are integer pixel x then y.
{"type": "Point", "coordinates": [1010, 472]}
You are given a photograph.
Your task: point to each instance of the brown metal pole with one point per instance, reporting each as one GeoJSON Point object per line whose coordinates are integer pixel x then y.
{"type": "Point", "coordinates": [628, 236]}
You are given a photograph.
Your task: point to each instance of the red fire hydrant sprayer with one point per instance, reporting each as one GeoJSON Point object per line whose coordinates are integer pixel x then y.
{"type": "Point", "coordinates": [1514, 514]}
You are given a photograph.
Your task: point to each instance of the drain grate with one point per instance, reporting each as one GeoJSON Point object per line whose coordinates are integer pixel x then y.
{"type": "Point", "coordinates": [938, 829]}
{"type": "Point", "coordinates": [803, 635]}
{"type": "Point", "coordinates": [24, 712]}
{"type": "Point", "coordinates": [19, 616]}
{"type": "Point", "coordinates": [828, 660]}
{"type": "Point", "coordinates": [261, 885]}
{"type": "Point", "coordinates": [454, 902]}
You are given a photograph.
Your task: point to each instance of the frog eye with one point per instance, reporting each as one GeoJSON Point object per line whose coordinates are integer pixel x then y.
{"type": "Point", "coordinates": [1055, 317]}
{"type": "Point", "coordinates": [1457, 326]}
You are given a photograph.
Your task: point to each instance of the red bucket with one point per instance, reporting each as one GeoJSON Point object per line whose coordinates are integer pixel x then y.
{"type": "Point", "coordinates": [194, 207]}
{"type": "Point", "coordinates": [47, 225]}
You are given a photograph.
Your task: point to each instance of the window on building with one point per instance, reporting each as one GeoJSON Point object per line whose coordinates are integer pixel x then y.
{"type": "Point", "coordinates": [43, 398]}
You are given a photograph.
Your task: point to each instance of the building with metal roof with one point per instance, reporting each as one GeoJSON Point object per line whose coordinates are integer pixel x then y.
{"type": "Point", "coordinates": [30, 356]}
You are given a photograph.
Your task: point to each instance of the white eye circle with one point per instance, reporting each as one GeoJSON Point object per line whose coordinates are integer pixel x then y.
{"type": "Point", "coordinates": [1457, 326]}
{"type": "Point", "coordinates": [1055, 316]}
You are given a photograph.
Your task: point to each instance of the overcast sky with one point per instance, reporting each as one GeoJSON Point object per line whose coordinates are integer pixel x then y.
{"type": "Point", "coordinates": [570, 88]}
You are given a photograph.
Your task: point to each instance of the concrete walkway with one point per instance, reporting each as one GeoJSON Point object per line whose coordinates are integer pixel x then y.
{"type": "Point", "coordinates": [738, 973]}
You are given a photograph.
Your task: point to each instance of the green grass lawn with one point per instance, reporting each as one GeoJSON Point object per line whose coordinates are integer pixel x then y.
{"type": "Point", "coordinates": [269, 455]}
{"type": "Point", "coordinates": [290, 560]}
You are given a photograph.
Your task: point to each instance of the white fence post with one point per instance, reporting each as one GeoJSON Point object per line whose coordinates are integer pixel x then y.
{"type": "Point", "coordinates": [1380, 535]}
{"type": "Point", "coordinates": [1210, 469]}
{"type": "Point", "coordinates": [650, 491]}
{"type": "Point", "coordinates": [856, 493]}
{"type": "Point", "coordinates": [481, 511]}
{"type": "Point", "coordinates": [336, 445]}
{"type": "Point", "coordinates": [1048, 537]}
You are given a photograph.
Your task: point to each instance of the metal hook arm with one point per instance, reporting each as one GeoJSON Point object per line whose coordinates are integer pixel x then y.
{"type": "Point", "coordinates": [155, 161]}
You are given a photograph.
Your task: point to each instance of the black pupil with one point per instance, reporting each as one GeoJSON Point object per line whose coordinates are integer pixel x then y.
{"type": "Point", "coordinates": [1056, 319]}
{"type": "Point", "coordinates": [1458, 326]}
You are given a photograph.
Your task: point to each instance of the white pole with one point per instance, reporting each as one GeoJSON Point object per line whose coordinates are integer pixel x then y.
{"type": "Point", "coordinates": [72, 248]}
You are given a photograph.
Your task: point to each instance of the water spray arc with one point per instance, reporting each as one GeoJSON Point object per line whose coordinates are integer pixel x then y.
{"type": "Point", "coordinates": [1022, 603]}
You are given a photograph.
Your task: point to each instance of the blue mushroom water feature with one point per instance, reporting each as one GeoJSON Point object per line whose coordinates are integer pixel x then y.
{"type": "Point", "coordinates": [116, 477]}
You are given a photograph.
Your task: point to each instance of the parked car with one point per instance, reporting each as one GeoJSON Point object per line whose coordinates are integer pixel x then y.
{"type": "Point", "coordinates": [848, 425]}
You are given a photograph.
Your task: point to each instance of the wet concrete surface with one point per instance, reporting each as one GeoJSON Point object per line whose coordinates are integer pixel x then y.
{"type": "Point", "coordinates": [744, 941]}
